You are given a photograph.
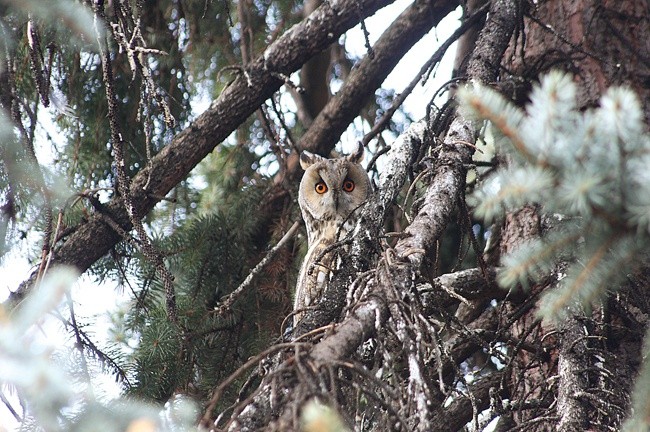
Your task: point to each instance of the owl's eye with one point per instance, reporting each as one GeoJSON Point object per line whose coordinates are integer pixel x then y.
{"type": "Point", "coordinates": [320, 187]}
{"type": "Point", "coordinates": [348, 185]}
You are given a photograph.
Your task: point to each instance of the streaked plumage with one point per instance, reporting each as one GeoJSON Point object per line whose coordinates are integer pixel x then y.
{"type": "Point", "coordinates": [330, 196]}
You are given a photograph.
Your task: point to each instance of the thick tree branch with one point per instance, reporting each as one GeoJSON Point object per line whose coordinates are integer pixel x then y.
{"type": "Point", "coordinates": [442, 196]}
{"type": "Point", "coordinates": [463, 286]}
{"type": "Point", "coordinates": [367, 76]}
{"type": "Point", "coordinates": [458, 413]}
{"type": "Point", "coordinates": [449, 180]}
{"type": "Point", "coordinates": [93, 238]}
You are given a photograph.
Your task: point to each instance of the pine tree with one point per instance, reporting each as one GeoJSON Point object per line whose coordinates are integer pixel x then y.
{"type": "Point", "coordinates": [193, 215]}
{"type": "Point", "coordinates": [585, 171]}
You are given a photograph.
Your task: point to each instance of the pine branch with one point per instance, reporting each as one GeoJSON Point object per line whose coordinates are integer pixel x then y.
{"type": "Point", "coordinates": [583, 167]}
{"type": "Point", "coordinates": [226, 304]}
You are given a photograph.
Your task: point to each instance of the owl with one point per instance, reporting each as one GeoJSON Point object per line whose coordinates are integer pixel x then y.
{"type": "Point", "coordinates": [330, 196]}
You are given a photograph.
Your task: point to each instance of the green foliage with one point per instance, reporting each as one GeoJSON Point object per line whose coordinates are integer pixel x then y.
{"type": "Point", "coordinates": [589, 170]}
{"type": "Point", "coordinates": [208, 229]}
{"type": "Point", "coordinates": [210, 244]}
{"type": "Point", "coordinates": [54, 402]}
{"type": "Point", "coordinates": [586, 170]}
{"type": "Point", "coordinates": [230, 173]}
{"type": "Point", "coordinates": [209, 256]}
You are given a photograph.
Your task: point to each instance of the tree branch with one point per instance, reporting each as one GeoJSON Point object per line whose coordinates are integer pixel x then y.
{"type": "Point", "coordinates": [365, 78]}
{"type": "Point", "coordinates": [448, 182]}
{"type": "Point", "coordinates": [403, 33]}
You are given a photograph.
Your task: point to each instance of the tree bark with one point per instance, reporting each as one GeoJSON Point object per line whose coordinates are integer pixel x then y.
{"type": "Point", "coordinates": [314, 78]}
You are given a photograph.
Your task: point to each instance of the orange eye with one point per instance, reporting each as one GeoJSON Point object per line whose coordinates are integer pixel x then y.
{"type": "Point", "coordinates": [348, 185]}
{"type": "Point", "coordinates": [321, 187]}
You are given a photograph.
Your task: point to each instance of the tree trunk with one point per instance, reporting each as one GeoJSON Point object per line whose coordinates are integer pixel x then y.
{"type": "Point", "coordinates": [603, 43]}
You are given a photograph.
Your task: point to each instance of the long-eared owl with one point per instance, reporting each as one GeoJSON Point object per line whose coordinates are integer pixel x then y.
{"type": "Point", "coordinates": [331, 194]}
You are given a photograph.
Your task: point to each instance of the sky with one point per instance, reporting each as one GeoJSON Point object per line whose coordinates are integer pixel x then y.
{"type": "Point", "coordinates": [96, 300]}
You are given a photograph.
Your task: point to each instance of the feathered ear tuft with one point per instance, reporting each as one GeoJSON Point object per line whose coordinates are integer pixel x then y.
{"type": "Point", "coordinates": [357, 156]}
{"type": "Point", "coordinates": [308, 158]}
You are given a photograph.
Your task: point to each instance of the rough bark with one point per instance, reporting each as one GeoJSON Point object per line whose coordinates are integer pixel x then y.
{"type": "Point", "coordinates": [449, 179]}
{"type": "Point", "coordinates": [573, 358]}
{"type": "Point", "coordinates": [467, 42]}
{"type": "Point", "coordinates": [603, 43]}
{"type": "Point", "coordinates": [314, 78]}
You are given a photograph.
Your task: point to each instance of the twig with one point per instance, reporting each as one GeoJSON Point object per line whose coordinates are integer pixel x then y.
{"type": "Point", "coordinates": [424, 71]}
{"type": "Point", "coordinates": [84, 341]}
{"type": "Point", "coordinates": [80, 344]}
{"type": "Point", "coordinates": [285, 128]}
{"type": "Point", "coordinates": [123, 180]}
{"type": "Point", "coordinates": [216, 395]}
{"type": "Point", "coordinates": [380, 152]}
{"type": "Point", "coordinates": [227, 303]}
{"type": "Point", "coordinates": [366, 33]}
{"type": "Point", "coordinates": [10, 408]}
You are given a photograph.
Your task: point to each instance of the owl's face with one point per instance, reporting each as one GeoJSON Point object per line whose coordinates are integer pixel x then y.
{"type": "Point", "coordinates": [331, 189]}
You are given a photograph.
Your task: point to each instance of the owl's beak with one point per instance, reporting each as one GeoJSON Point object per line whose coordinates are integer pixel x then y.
{"type": "Point", "coordinates": [335, 197]}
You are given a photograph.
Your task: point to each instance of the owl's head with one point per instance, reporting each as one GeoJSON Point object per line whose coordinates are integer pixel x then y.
{"type": "Point", "coordinates": [331, 189]}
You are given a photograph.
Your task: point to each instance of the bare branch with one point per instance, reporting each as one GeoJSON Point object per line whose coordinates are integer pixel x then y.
{"type": "Point", "coordinates": [467, 25]}
{"type": "Point", "coordinates": [227, 303]}
{"type": "Point", "coordinates": [449, 180]}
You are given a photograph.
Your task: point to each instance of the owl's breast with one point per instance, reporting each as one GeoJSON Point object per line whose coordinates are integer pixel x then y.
{"type": "Point", "coordinates": [314, 276]}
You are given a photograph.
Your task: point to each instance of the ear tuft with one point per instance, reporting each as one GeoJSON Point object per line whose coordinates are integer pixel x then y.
{"type": "Point", "coordinates": [357, 156]}
{"type": "Point", "coordinates": [307, 159]}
